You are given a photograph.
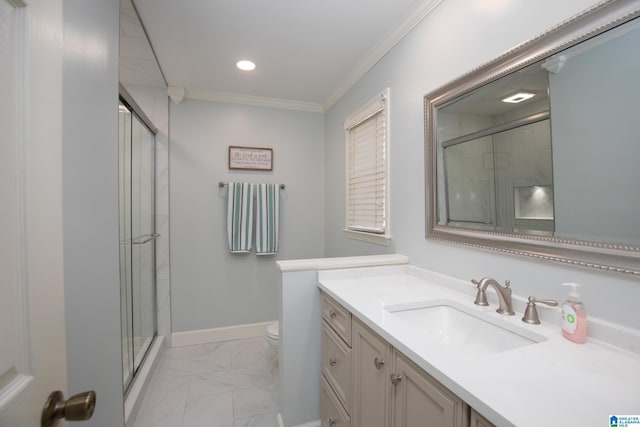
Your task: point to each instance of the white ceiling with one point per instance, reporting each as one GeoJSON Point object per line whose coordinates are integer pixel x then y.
{"type": "Point", "coordinates": [308, 53]}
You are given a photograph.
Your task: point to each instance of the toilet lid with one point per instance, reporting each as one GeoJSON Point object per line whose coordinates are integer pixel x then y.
{"type": "Point", "coordinates": [273, 330]}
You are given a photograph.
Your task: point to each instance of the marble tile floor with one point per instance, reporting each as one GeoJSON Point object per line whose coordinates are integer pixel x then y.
{"type": "Point", "coordinates": [224, 384]}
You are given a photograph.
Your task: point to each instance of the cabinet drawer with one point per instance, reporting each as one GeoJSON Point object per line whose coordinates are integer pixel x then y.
{"type": "Point", "coordinates": [333, 415]}
{"type": "Point", "coordinates": [337, 317]}
{"type": "Point", "coordinates": [336, 365]}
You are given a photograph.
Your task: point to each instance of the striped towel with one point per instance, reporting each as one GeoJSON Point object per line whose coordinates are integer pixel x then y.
{"type": "Point", "coordinates": [240, 217]}
{"type": "Point", "coordinates": [268, 206]}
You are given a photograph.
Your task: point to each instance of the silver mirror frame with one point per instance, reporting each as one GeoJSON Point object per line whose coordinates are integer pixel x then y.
{"type": "Point", "coordinates": [604, 256]}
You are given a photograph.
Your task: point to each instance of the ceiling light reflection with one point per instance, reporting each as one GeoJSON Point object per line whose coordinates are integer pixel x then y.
{"type": "Point", "coordinates": [246, 65]}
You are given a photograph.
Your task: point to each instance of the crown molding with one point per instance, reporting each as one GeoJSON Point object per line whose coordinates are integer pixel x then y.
{"type": "Point", "coordinates": [382, 48]}
{"type": "Point", "coordinates": [258, 101]}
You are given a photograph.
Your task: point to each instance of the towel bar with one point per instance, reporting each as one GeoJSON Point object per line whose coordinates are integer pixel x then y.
{"type": "Point", "coordinates": [222, 184]}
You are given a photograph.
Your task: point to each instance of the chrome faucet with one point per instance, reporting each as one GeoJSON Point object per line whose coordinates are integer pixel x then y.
{"type": "Point", "coordinates": [504, 294]}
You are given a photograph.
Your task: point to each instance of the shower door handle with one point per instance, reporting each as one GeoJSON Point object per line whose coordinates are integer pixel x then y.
{"type": "Point", "coordinates": [145, 238]}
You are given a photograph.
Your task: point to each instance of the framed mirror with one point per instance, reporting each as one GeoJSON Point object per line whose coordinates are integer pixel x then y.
{"type": "Point", "coordinates": [537, 153]}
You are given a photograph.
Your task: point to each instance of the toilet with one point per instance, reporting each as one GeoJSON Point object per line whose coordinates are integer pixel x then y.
{"type": "Point", "coordinates": [272, 336]}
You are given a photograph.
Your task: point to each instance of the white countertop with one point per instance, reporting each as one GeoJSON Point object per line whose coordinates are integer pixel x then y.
{"type": "Point", "coordinates": [554, 382]}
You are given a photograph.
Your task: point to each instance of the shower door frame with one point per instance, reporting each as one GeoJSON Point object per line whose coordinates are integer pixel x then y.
{"type": "Point", "coordinates": [127, 100]}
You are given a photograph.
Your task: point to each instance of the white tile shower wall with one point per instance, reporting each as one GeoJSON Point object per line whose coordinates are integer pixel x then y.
{"type": "Point", "coordinates": [163, 273]}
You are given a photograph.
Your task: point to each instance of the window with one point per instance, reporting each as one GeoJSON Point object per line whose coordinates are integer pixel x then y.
{"type": "Point", "coordinates": [367, 158]}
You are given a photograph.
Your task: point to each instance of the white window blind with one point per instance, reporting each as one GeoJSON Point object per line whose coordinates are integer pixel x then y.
{"type": "Point", "coordinates": [366, 164]}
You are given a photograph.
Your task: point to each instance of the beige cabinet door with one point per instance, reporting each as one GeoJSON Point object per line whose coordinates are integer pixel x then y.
{"type": "Point", "coordinates": [419, 400]}
{"type": "Point", "coordinates": [477, 420]}
{"type": "Point", "coordinates": [371, 386]}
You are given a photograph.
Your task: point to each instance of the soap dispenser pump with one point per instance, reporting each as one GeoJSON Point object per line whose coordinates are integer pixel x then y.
{"type": "Point", "coordinates": [574, 316]}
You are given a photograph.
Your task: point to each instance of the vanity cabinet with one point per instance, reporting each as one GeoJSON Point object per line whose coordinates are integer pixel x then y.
{"type": "Point", "coordinates": [368, 383]}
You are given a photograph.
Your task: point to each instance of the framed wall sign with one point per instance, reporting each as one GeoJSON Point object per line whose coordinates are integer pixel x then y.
{"type": "Point", "coordinates": [250, 158]}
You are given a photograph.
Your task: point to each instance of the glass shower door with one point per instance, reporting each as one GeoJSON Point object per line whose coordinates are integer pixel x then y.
{"type": "Point", "coordinates": [137, 240]}
{"type": "Point", "coordinates": [143, 240]}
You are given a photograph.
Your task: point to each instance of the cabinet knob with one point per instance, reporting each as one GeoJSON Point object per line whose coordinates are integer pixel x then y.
{"type": "Point", "coordinates": [331, 422]}
{"type": "Point", "coordinates": [378, 363]}
{"type": "Point", "coordinates": [395, 379]}
{"type": "Point", "coordinates": [332, 314]}
{"type": "Point", "coordinates": [332, 361]}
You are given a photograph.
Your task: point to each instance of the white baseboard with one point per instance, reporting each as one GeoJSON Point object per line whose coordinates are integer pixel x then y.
{"type": "Point", "coordinates": [316, 423]}
{"type": "Point", "coordinates": [203, 336]}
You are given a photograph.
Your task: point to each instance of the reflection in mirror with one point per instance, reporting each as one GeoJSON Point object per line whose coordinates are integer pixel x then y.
{"type": "Point", "coordinates": [536, 153]}
{"type": "Point", "coordinates": [495, 146]}
{"type": "Point", "coordinates": [594, 99]}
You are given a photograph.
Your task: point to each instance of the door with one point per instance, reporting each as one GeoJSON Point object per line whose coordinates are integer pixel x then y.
{"type": "Point", "coordinates": [137, 239]}
{"type": "Point", "coordinates": [32, 337]}
{"type": "Point", "coordinates": [418, 400]}
{"type": "Point", "coordinates": [372, 357]}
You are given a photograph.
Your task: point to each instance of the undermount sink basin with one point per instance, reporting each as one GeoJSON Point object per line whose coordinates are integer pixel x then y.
{"type": "Point", "coordinates": [462, 329]}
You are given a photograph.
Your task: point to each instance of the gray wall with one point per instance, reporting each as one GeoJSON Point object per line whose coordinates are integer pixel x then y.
{"type": "Point", "coordinates": [457, 37]}
{"type": "Point", "coordinates": [211, 288]}
{"type": "Point", "coordinates": [90, 205]}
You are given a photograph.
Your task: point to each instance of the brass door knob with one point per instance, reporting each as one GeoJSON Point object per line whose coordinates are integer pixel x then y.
{"type": "Point", "coordinates": [77, 408]}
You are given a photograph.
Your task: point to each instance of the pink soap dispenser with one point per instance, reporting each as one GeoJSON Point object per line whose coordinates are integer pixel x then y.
{"type": "Point", "coordinates": [574, 317]}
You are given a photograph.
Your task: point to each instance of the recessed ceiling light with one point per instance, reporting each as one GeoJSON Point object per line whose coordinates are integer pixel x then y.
{"type": "Point", "coordinates": [519, 97]}
{"type": "Point", "coordinates": [246, 65]}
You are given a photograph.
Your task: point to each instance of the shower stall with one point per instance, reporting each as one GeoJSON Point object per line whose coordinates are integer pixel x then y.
{"type": "Point", "coordinates": [137, 237]}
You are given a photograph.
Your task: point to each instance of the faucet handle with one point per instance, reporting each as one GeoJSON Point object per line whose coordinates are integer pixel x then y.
{"type": "Point", "coordinates": [531, 312]}
{"type": "Point", "coordinates": [507, 283]}
{"type": "Point", "coordinates": [481, 296]}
